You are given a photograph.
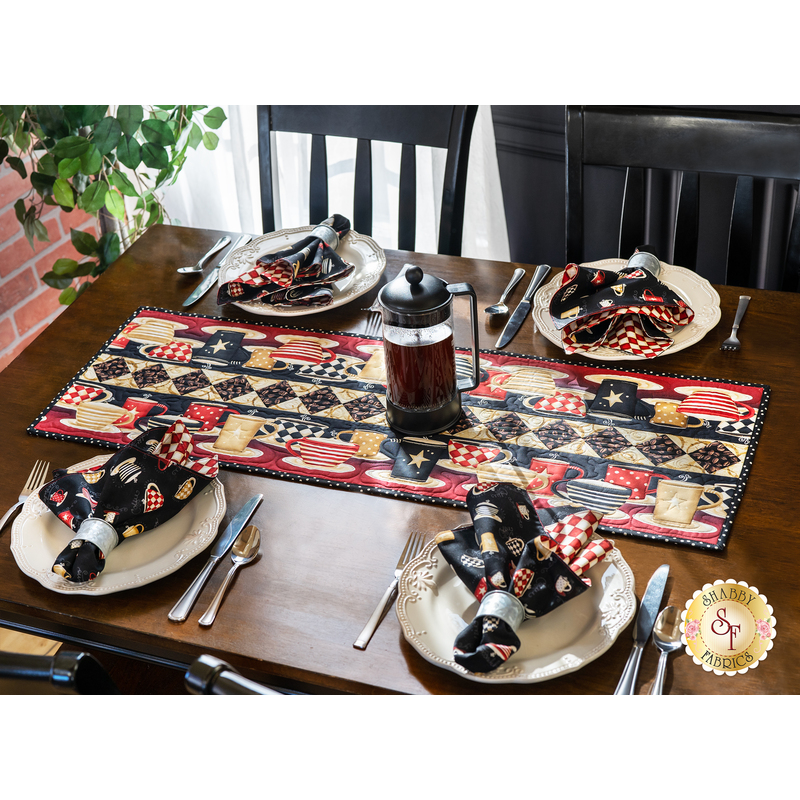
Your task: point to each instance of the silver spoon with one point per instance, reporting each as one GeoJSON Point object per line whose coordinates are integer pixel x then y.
{"type": "Point", "coordinates": [501, 307]}
{"type": "Point", "coordinates": [223, 241]}
{"type": "Point", "coordinates": [666, 637]}
{"type": "Point", "coordinates": [245, 549]}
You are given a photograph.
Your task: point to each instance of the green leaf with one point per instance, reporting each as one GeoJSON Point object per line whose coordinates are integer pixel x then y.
{"type": "Point", "coordinates": [83, 242]}
{"type": "Point", "coordinates": [51, 279]}
{"type": "Point", "coordinates": [68, 167]}
{"type": "Point", "coordinates": [115, 204]}
{"type": "Point", "coordinates": [122, 183]}
{"type": "Point", "coordinates": [17, 165]}
{"type": "Point", "coordinates": [42, 183]}
{"type": "Point", "coordinates": [214, 118]}
{"type": "Point", "coordinates": [68, 296]}
{"type": "Point", "coordinates": [91, 161]}
{"type": "Point", "coordinates": [71, 147]}
{"type": "Point", "coordinates": [52, 121]}
{"type": "Point", "coordinates": [62, 192]}
{"type": "Point", "coordinates": [130, 118]}
{"type": "Point", "coordinates": [22, 139]}
{"type": "Point", "coordinates": [93, 199]}
{"type": "Point", "coordinates": [47, 165]}
{"type": "Point", "coordinates": [154, 156]}
{"type": "Point", "coordinates": [157, 132]}
{"type": "Point", "coordinates": [40, 231]}
{"type": "Point", "coordinates": [65, 266]}
{"type": "Point", "coordinates": [84, 269]}
{"type": "Point", "coordinates": [129, 152]}
{"type": "Point", "coordinates": [198, 108]}
{"type": "Point", "coordinates": [19, 209]}
{"type": "Point", "coordinates": [106, 135]}
{"type": "Point", "coordinates": [109, 250]}
{"type": "Point", "coordinates": [13, 113]}
{"type": "Point", "coordinates": [82, 288]}
{"type": "Point", "coordinates": [195, 136]}
{"type": "Point", "coordinates": [210, 140]}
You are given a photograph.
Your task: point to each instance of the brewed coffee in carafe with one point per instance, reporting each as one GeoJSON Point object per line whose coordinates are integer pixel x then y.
{"type": "Point", "coordinates": [423, 394]}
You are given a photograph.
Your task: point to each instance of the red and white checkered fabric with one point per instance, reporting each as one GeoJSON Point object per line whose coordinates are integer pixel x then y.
{"type": "Point", "coordinates": [470, 455]}
{"type": "Point", "coordinates": [153, 499]}
{"type": "Point", "coordinates": [174, 351]}
{"type": "Point", "coordinates": [76, 394]}
{"type": "Point", "coordinates": [572, 533]}
{"type": "Point", "coordinates": [280, 272]}
{"type": "Point", "coordinates": [177, 446]}
{"type": "Point", "coordinates": [562, 403]}
{"type": "Point", "coordinates": [521, 581]}
{"type": "Point", "coordinates": [592, 554]}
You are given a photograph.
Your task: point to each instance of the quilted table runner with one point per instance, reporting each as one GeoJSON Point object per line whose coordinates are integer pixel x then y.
{"type": "Point", "coordinates": [663, 456]}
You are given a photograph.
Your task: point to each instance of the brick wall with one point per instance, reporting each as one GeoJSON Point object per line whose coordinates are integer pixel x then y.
{"type": "Point", "coordinates": [27, 304]}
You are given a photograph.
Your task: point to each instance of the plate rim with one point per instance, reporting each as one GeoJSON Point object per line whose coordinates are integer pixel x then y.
{"type": "Point", "coordinates": [239, 259]}
{"type": "Point", "coordinates": [547, 329]}
{"type": "Point", "coordinates": [202, 540]}
{"type": "Point", "coordinates": [509, 673]}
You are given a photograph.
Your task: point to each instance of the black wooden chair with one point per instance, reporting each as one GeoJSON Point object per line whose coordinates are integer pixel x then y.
{"type": "Point", "coordinates": [448, 127]}
{"type": "Point", "coordinates": [758, 153]}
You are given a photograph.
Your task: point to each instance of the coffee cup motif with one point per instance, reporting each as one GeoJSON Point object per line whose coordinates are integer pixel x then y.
{"type": "Point", "coordinates": [237, 432]}
{"type": "Point", "coordinates": [208, 414]}
{"type": "Point", "coordinates": [678, 501]}
{"type": "Point", "coordinates": [638, 479]}
{"type": "Point", "coordinates": [101, 416]}
{"type": "Point", "coordinates": [615, 399]}
{"type": "Point", "coordinates": [324, 453]}
{"type": "Point", "coordinates": [416, 457]}
{"type": "Point", "coordinates": [552, 471]}
{"type": "Point", "coordinates": [713, 404]}
{"type": "Point", "coordinates": [375, 368]}
{"type": "Point", "coordinates": [511, 473]}
{"type": "Point", "coordinates": [141, 407]}
{"type": "Point", "coordinates": [153, 331]}
{"type": "Point", "coordinates": [468, 455]}
{"type": "Point", "coordinates": [369, 442]}
{"type": "Point", "coordinates": [593, 494]}
{"type": "Point", "coordinates": [284, 429]}
{"type": "Point", "coordinates": [667, 413]}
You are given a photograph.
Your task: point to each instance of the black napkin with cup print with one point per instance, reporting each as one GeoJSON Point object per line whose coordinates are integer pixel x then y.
{"type": "Point", "coordinates": [515, 568]}
{"type": "Point", "coordinates": [630, 310]}
{"type": "Point", "coordinates": [139, 488]}
{"type": "Point", "coordinates": [300, 275]}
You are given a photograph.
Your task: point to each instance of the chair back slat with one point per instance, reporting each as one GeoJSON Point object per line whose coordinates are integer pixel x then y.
{"type": "Point", "coordinates": [695, 143]}
{"type": "Point", "coordinates": [631, 229]}
{"type": "Point", "coordinates": [447, 127]}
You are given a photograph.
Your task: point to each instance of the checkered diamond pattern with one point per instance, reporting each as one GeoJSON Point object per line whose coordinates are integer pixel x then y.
{"type": "Point", "coordinates": [174, 351]}
{"type": "Point", "coordinates": [76, 394]}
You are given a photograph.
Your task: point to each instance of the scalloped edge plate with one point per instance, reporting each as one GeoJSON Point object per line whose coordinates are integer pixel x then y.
{"type": "Point", "coordinates": [362, 251]}
{"type": "Point", "coordinates": [700, 295]}
{"type": "Point", "coordinates": [433, 605]}
{"type": "Point", "coordinates": [38, 536]}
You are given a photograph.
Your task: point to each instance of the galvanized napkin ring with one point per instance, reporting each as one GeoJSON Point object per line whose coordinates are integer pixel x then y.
{"type": "Point", "coordinates": [327, 234]}
{"type": "Point", "coordinates": [504, 606]}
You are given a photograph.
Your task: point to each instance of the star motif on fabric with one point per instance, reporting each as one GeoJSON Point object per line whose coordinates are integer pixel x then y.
{"type": "Point", "coordinates": [220, 346]}
{"type": "Point", "coordinates": [613, 398]}
{"type": "Point", "coordinates": [675, 501]}
{"type": "Point", "coordinates": [418, 459]}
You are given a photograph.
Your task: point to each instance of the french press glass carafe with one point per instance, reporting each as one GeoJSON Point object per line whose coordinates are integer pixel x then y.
{"type": "Point", "coordinates": [423, 391]}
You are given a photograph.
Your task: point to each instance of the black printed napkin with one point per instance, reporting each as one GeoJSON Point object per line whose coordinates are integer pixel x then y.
{"type": "Point", "coordinates": [300, 275]}
{"type": "Point", "coordinates": [630, 310]}
{"type": "Point", "coordinates": [507, 550]}
{"type": "Point", "coordinates": [139, 488]}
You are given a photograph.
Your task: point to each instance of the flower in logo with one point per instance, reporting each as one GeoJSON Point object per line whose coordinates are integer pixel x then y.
{"type": "Point", "coordinates": [763, 628]}
{"type": "Point", "coordinates": [692, 629]}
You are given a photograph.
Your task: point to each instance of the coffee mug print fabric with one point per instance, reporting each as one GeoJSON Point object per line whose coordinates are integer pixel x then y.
{"type": "Point", "coordinates": [310, 405]}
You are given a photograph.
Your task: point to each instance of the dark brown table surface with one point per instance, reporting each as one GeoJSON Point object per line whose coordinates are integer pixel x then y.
{"type": "Point", "coordinates": [328, 555]}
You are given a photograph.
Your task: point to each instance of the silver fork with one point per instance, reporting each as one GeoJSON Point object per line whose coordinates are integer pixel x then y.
{"type": "Point", "coordinates": [732, 342]}
{"type": "Point", "coordinates": [374, 324]}
{"type": "Point", "coordinates": [36, 480]}
{"type": "Point", "coordinates": [412, 549]}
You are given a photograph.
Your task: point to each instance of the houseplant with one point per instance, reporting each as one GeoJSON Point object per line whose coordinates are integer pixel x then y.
{"type": "Point", "coordinates": [93, 158]}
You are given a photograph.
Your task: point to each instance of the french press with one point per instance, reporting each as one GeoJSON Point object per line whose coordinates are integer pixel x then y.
{"type": "Point", "coordinates": [423, 391]}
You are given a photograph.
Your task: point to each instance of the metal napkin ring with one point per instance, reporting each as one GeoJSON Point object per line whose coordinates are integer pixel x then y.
{"type": "Point", "coordinates": [99, 532]}
{"type": "Point", "coordinates": [327, 234]}
{"type": "Point", "coordinates": [504, 606]}
{"type": "Point", "coordinates": [645, 261]}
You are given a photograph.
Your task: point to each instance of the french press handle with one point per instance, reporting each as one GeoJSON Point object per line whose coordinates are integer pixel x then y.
{"type": "Point", "coordinates": [467, 383]}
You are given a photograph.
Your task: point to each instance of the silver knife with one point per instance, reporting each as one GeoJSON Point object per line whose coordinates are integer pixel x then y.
{"type": "Point", "coordinates": [645, 620]}
{"type": "Point", "coordinates": [223, 544]}
{"type": "Point", "coordinates": [524, 307]}
{"type": "Point", "coordinates": [211, 278]}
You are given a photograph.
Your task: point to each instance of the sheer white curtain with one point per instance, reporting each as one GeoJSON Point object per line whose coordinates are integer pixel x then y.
{"type": "Point", "coordinates": [220, 189]}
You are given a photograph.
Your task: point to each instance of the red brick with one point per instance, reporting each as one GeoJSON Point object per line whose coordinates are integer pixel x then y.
{"type": "Point", "coordinates": [37, 309]}
{"type": "Point", "coordinates": [14, 255]}
{"type": "Point", "coordinates": [12, 187]}
{"type": "Point", "coordinates": [7, 333]}
{"type": "Point", "coordinates": [9, 225]}
{"type": "Point", "coordinates": [16, 289]}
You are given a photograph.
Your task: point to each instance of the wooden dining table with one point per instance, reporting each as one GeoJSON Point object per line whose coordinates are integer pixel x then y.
{"type": "Point", "coordinates": [328, 554]}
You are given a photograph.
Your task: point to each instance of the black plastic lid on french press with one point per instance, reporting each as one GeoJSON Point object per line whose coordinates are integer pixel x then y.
{"type": "Point", "coordinates": [415, 300]}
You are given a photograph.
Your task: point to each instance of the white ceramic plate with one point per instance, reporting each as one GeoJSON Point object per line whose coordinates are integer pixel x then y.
{"type": "Point", "coordinates": [38, 536]}
{"type": "Point", "coordinates": [697, 292]}
{"type": "Point", "coordinates": [433, 605]}
{"type": "Point", "coordinates": [363, 252]}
